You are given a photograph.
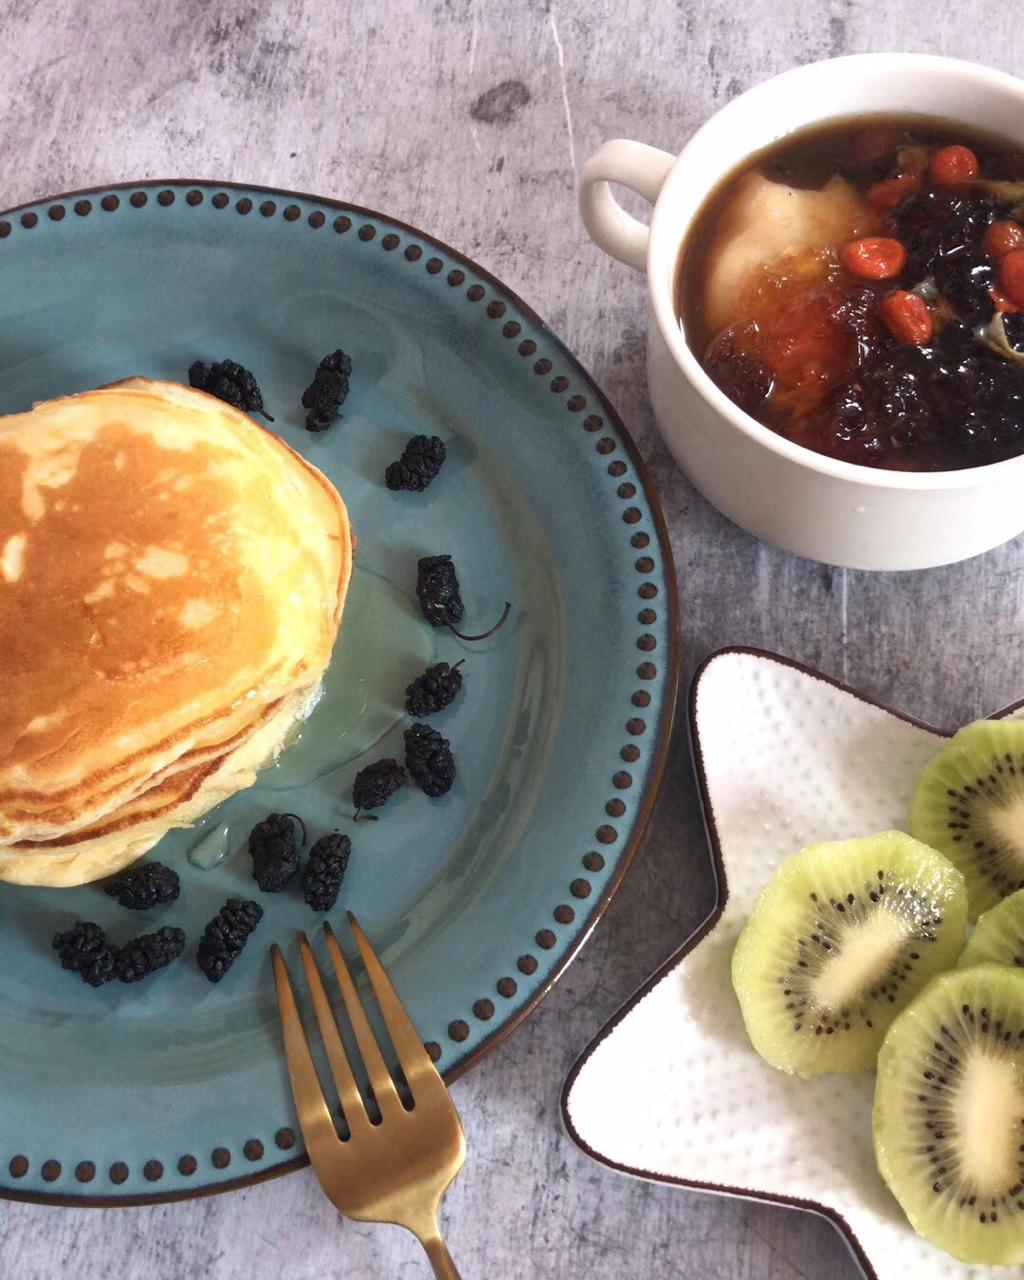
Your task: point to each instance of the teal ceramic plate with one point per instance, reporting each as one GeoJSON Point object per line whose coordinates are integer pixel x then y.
{"type": "Point", "coordinates": [475, 902]}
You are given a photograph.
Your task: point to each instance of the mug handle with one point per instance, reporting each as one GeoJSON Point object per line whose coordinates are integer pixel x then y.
{"type": "Point", "coordinates": [635, 165]}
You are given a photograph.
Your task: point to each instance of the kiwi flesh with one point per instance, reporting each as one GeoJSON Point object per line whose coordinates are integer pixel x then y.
{"type": "Point", "coordinates": [840, 940]}
{"type": "Point", "coordinates": [969, 804]}
{"type": "Point", "coordinates": [948, 1117]}
{"type": "Point", "coordinates": [998, 936]}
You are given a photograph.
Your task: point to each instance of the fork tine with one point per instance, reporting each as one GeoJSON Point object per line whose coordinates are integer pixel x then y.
{"type": "Point", "coordinates": [412, 1056]}
{"type": "Point", "coordinates": [314, 1117]}
{"type": "Point", "coordinates": [380, 1078]}
{"type": "Point", "coordinates": [345, 1082]}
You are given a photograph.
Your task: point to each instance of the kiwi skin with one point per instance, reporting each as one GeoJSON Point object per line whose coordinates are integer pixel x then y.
{"type": "Point", "coordinates": [998, 936]}
{"type": "Point", "coordinates": [918, 1059]}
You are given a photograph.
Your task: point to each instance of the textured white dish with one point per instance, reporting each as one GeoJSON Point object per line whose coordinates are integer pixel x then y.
{"type": "Point", "coordinates": [670, 1089]}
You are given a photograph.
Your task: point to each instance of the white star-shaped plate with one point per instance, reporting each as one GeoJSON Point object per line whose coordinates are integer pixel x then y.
{"type": "Point", "coordinates": [670, 1090]}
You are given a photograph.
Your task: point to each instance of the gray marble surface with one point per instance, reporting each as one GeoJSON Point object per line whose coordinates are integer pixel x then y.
{"type": "Point", "coordinates": [469, 119]}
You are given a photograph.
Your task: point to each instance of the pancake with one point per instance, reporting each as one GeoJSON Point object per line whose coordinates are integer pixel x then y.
{"type": "Point", "coordinates": [172, 578]}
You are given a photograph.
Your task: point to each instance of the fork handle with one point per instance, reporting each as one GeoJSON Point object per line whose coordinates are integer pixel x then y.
{"type": "Point", "coordinates": [440, 1259]}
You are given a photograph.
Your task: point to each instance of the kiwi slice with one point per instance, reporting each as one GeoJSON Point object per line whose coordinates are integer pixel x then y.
{"type": "Point", "coordinates": [949, 1113]}
{"type": "Point", "coordinates": [969, 804]}
{"type": "Point", "coordinates": [843, 937]}
{"type": "Point", "coordinates": [998, 937]}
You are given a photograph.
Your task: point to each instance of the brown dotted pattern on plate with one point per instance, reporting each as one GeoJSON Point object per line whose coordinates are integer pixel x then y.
{"type": "Point", "coordinates": [85, 1171]}
{"type": "Point", "coordinates": [51, 1171]}
{"type": "Point", "coordinates": [187, 1166]}
{"type": "Point", "coordinates": [483, 1009]}
{"type": "Point", "coordinates": [220, 1157]}
{"type": "Point", "coordinates": [118, 1172]}
{"type": "Point", "coordinates": [152, 1171]}
{"type": "Point", "coordinates": [18, 1166]}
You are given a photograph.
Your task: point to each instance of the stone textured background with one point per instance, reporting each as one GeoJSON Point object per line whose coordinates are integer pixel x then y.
{"type": "Point", "coordinates": [470, 120]}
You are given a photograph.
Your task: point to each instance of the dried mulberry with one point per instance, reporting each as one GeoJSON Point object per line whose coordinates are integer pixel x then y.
{"type": "Point", "coordinates": [83, 949]}
{"type": "Point", "coordinates": [226, 935]}
{"type": "Point", "coordinates": [149, 952]}
{"type": "Point", "coordinates": [437, 588]}
{"type": "Point", "coordinates": [421, 460]}
{"type": "Point", "coordinates": [326, 393]}
{"type": "Point", "coordinates": [274, 849]}
{"type": "Point", "coordinates": [230, 382]}
{"type": "Point", "coordinates": [433, 690]}
{"type": "Point", "coordinates": [374, 784]}
{"type": "Point", "coordinates": [429, 759]}
{"type": "Point", "coordinates": [323, 873]}
{"type": "Point", "coordinates": [143, 887]}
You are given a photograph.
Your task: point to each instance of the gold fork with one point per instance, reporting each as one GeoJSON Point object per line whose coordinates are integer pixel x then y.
{"type": "Point", "coordinates": [396, 1170]}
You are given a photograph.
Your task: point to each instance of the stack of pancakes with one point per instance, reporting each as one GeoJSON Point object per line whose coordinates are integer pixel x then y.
{"type": "Point", "coordinates": [172, 577]}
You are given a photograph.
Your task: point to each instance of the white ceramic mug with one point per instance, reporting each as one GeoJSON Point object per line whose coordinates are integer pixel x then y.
{"type": "Point", "coordinates": [839, 512]}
